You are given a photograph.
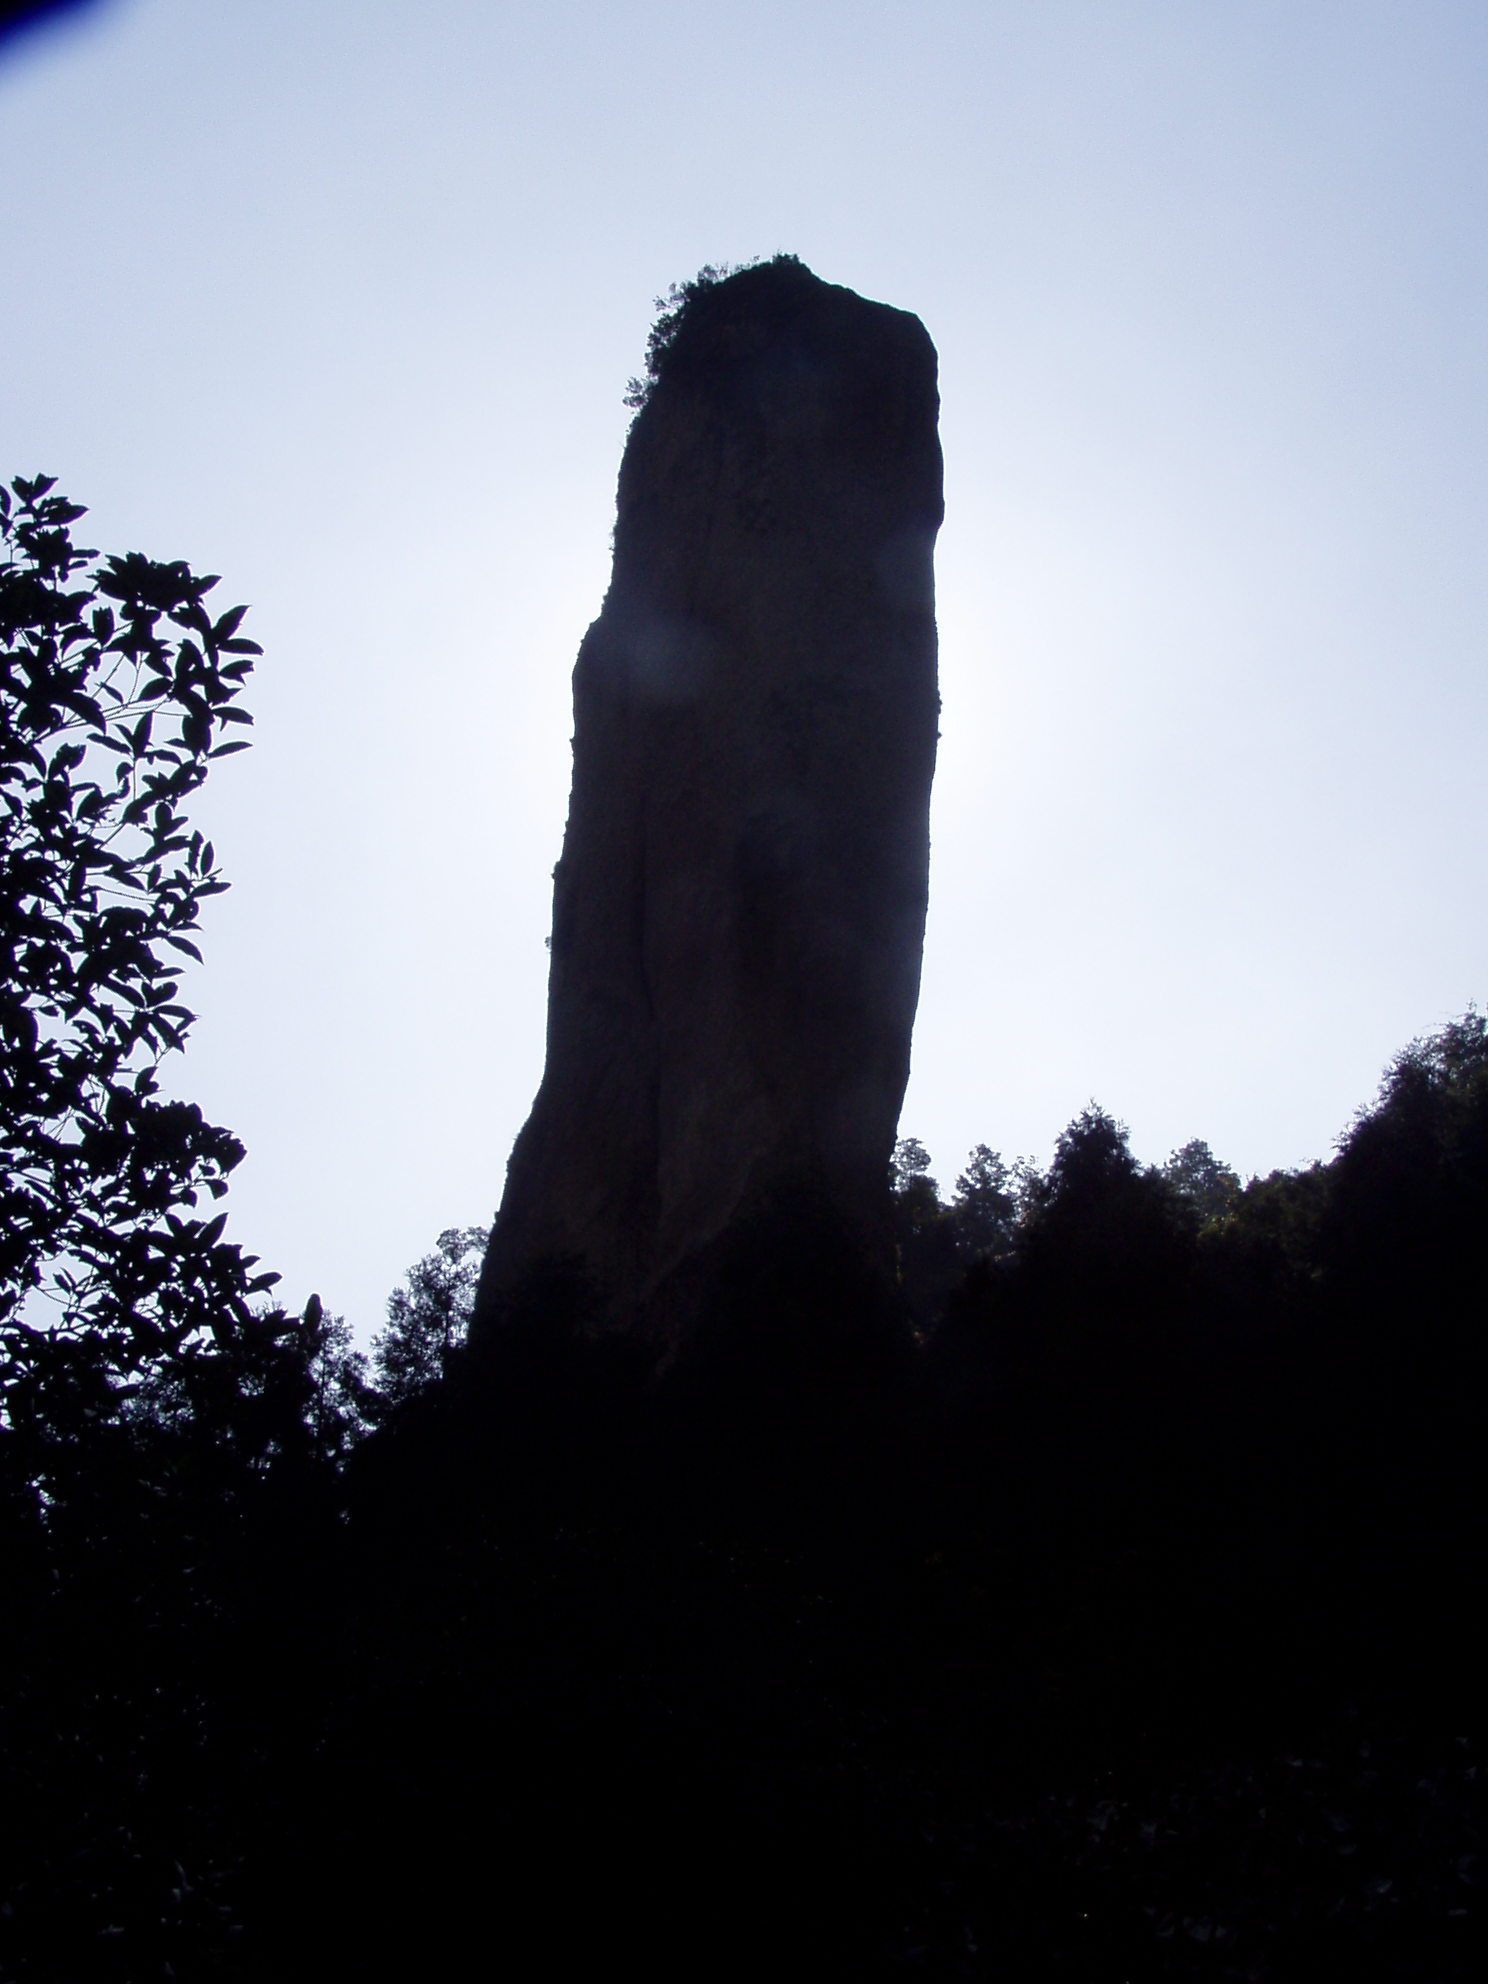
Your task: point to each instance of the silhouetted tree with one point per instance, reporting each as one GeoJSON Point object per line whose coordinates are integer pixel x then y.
{"type": "Point", "coordinates": [916, 1194]}
{"type": "Point", "coordinates": [1398, 1252]}
{"type": "Point", "coordinates": [925, 1233]}
{"type": "Point", "coordinates": [1411, 1176]}
{"type": "Point", "coordinates": [429, 1320]}
{"type": "Point", "coordinates": [1097, 1208]}
{"type": "Point", "coordinates": [116, 691]}
{"type": "Point", "coordinates": [1197, 1178]}
{"type": "Point", "coordinates": [166, 1469]}
{"type": "Point", "coordinates": [1079, 1320]}
{"type": "Point", "coordinates": [985, 1207]}
{"type": "Point", "coordinates": [343, 1402]}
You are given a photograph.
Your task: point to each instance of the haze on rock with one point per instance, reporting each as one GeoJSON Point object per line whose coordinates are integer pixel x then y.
{"type": "Point", "coordinates": [739, 909]}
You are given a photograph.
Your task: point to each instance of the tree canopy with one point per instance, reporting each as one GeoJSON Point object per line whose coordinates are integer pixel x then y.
{"type": "Point", "coordinates": [118, 691]}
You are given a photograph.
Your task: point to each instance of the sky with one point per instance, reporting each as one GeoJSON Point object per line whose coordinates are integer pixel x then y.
{"type": "Point", "coordinates": [339, 298]}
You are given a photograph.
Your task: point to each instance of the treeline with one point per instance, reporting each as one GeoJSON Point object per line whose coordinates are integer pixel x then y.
{"type": "Point", "coordinates": [897, 1626]}
{"type": "Point", "coordinates": [1094, 1599]}
{"type": "Point", "coordinates": [1158, 1468]}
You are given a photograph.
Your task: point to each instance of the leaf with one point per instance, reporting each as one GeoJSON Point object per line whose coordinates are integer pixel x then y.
{"type": "Point", "coordinates": [228, 624]}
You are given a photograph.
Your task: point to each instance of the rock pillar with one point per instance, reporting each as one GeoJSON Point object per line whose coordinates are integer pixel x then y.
{"type": "Point", "coordinates": [739, 910]}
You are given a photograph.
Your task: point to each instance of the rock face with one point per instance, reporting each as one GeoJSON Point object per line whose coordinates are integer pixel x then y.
{"type": "Point", "coordinates": [739, 911]}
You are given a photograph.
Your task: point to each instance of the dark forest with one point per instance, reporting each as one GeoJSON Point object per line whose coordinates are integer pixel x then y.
{"type": "Point", "coordinates": [1095, 1601]}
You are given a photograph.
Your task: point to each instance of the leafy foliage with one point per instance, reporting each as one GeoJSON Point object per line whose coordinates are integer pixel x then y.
{"type": "Point", "coordinates": [343, 1405]}
{"type": "Point", "coordinates": [671, 311]}
{"type": "Point", "coordinates": [986, 1204]}
{"type": "Point", "coordinates": [676, 309]}
{"type": "Point", "coordinates": [1005, 1213]}
{"type": "Point", "coordinates": [170, 1444]}
{"type": "Point", "coordinates": [427, 1321]}
{"type": "Point", "coordinates": [117, 692]}
{"type": "Point", "coordinates": [1199, 1181]}
{"type": "Point", "coordinates": [1415, 1161]}
{"type": "Point", "coordinates": [1098, 1209]}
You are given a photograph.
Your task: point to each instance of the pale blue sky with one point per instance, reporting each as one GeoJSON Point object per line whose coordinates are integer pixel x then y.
{"type": "Point", "coordinates": [340, 300]}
